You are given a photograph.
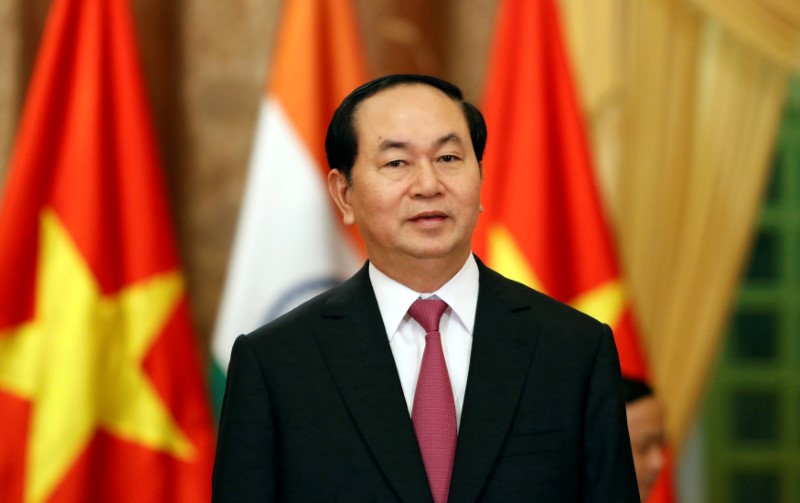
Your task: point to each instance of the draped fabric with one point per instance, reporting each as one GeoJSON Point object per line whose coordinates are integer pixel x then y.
{"type": "Point", "coordinates": [683, 99]}
{"type": "Point", "coordinates": [770, 27]}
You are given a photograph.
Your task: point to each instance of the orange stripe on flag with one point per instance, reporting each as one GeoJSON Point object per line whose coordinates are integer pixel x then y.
{"type": "Point", "coordinates": [318, 61]}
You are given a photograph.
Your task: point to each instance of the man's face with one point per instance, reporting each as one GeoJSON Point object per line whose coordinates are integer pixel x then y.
{"type": "Point", "coordinates": [415, 191]}
{"type": "Point", "coordinates": [646, 429]}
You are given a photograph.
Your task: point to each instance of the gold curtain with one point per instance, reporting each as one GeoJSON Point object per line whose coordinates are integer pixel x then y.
{"type": "Point", "coordinates": [683, 113]}
{"type": "Point", "coordinates": [594, 36]}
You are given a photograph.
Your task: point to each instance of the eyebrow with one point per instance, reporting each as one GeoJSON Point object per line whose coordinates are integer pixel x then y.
{"type": "Point", "coordinates": [449, 138]}
{"type": "Point", "coordinates": [389, 144]}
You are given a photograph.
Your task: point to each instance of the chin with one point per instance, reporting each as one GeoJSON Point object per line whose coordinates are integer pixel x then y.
{"type": "Point", "coordinates": [438, 250]}
{"type": "Point", "coordinates": [435, 252]}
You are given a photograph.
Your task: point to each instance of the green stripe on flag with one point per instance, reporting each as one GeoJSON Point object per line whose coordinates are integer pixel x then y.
{"type": "Point", "coordinates": [216, 380]}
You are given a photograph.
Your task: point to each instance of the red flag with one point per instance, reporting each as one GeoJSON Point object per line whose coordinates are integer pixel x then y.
{"type": "Point", "coordinates": [544, 222]}
{"type": "Point", "coordinates": [100, 383]}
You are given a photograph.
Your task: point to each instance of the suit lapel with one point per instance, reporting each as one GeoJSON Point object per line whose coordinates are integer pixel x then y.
{"type": "Point", "coordinates": [501, 357]}
{"type": "Point", "coordinates": [352, 339]}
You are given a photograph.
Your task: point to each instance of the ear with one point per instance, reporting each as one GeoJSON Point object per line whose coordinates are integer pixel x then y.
{"type": "Point", "coordinates": [339, 189]}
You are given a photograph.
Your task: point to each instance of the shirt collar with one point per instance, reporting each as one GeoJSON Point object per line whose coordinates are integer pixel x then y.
{"type": "Point", "coordinates": [394, 299]}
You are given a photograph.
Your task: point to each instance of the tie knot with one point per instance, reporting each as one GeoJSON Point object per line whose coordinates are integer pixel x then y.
{"type": "Point", "coordinates": [428, 312]}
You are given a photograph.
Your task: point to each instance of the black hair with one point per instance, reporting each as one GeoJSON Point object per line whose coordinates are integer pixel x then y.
{"type": "Point", "coordinates": [341, 143]}
{"type": "Point", "coordinates": [634, 389]}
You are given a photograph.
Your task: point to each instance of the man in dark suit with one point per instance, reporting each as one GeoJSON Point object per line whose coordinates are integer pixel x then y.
{"type": "Point", "coordinates": [426, 376]}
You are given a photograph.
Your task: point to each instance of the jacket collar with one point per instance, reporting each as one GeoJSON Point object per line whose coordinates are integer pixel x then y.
{"type": "Point", "coordinates": [352, 339]}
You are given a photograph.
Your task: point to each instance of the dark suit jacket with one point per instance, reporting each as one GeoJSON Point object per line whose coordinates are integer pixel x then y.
{"type": "Point", "coordinates": [314, 410]}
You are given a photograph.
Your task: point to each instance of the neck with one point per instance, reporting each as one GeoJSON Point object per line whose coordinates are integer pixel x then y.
{"type": "Point", "coordinates": [422, 275]}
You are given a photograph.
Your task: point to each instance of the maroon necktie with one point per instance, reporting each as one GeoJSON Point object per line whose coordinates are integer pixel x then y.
{"type": "Point", "coordinates": [434, 411]}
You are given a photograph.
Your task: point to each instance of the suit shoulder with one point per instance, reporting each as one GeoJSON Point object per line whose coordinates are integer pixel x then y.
{"type": "Point", "coordinates": [545, 308]}
{"type": "Point", "coordinates": [297, 324]}
{"type": "Point", "coordinates": [295, 321]}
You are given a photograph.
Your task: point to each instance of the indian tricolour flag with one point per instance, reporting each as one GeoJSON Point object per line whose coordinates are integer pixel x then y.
{"type": "Point", "coordinates": [290, 243]}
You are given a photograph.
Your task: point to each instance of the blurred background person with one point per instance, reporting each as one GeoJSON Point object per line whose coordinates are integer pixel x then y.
{"type": "Point", "coordinates": [646, 429]}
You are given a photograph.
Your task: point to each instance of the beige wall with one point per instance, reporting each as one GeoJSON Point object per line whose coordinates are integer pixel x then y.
{"type": "Point", "coordinates": [10, 42]}
{"type": "Point", "coordinates": [206, 65]}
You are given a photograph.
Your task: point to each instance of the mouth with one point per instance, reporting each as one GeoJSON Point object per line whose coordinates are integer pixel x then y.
{"type": "Point", "coordinates": [429, 217]}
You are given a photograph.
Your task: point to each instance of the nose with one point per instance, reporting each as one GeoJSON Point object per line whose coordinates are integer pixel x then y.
{"type": "Point", "coordinates": [426, 180]}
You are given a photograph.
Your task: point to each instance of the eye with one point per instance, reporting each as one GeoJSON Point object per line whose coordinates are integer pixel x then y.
{"type": "Point", "coordinates": [448, 158]}
{"type": "Point", "coordinates": [395, 163]}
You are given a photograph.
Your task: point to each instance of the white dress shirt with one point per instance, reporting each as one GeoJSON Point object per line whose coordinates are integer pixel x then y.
{"type": "Point", "coordinates": [407, 337]}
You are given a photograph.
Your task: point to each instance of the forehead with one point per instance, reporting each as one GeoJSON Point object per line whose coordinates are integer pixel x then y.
{"type": "Point", "coordinates": [408, 109]}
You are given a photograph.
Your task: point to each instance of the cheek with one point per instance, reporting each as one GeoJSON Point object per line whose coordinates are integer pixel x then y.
{"type": "Point", "coordinates": [655, 456]}
{"type": "Point", "coordinates": [466, 195]}
{"type": "Point", "coordinates": [374, 212]}
{"type": "Point", "coordinates": [472, 196]}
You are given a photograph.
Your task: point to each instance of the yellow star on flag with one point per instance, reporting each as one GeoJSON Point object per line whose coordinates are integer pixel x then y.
{"type": "Point", "coordinates": [605, 302]}
{"type": "Point", "coordinates": [79, 362]}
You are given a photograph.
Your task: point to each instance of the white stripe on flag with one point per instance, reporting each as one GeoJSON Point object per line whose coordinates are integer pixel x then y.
{"type": "Point", "coordinates": [289, 245]}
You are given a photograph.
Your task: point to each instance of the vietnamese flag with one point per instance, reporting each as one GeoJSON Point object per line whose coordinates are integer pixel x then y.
{"type": "Point", "coordinates": [101, 391]}
{"type": "Point", "coordinates": [544, 222]}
